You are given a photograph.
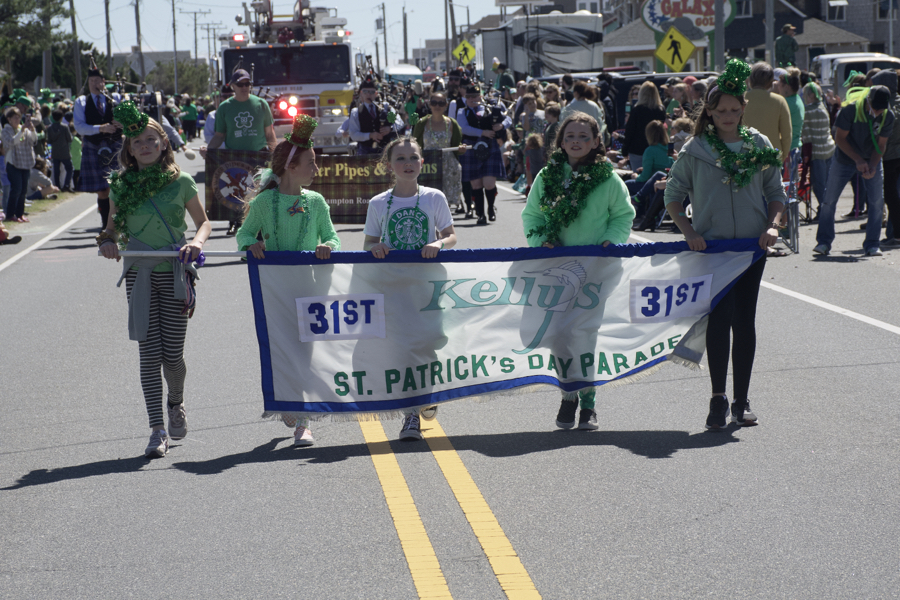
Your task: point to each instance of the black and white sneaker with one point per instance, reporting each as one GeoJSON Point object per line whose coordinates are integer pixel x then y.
{"type": "Point", "coordinates": [741, 413]}
{"type": "Point", "coordinates": [565, 418]}
{"type": "Point", "coordinates": [587, 419]}
{"type": "Point", "coordinates": [718, 413]}
{"type": "Point", "coordinates": [410, 429]}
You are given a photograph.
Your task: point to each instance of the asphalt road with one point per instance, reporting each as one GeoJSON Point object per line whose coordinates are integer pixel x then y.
{"type": "Point", "coordinates": [804, 506]}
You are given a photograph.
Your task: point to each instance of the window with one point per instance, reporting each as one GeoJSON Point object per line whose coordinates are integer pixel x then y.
{"type": "Point", "coordinates": [836, 13]}
{"type": "Point", "coordinates": [589, 6]}
{"type": "Point", "coordinates": [883, 9]}
{"type": "Point", "coordinates": [743, 8]}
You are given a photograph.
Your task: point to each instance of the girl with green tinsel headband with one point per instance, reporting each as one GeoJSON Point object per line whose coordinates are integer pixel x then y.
{"type": "Point", "coordinates": [148, 201]}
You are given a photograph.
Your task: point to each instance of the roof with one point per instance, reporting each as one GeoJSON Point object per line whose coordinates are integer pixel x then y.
{"type": "Point", "coordinates": [819, 33]}
{"type": "Point", "coordinates": [634, 34]}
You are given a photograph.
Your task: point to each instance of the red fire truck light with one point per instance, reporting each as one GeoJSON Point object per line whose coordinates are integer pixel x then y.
{"type": "Point", "coordinates": [239, 37]}
{"type": "Point", "coordinates": [292, 111]}
{"type": "Point", "coordinates": [282, 105]}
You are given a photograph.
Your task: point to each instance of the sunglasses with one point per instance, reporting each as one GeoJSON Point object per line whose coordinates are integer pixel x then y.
{"type": "Point", "coordinates": [245, 84]}
{"type": "Point", "coordinates": [437, 103]}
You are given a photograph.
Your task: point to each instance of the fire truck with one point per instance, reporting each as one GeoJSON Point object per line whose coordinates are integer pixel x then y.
{"type": "Point", "coordinates": [299, 63]}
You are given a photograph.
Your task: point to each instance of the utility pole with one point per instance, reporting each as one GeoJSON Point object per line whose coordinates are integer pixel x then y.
{"type": "Point", "coordinates": [384, 21]}
{"type": "Point", "coordinates": [405, 50]}
{"type": "Point", "coordinates": [195, 13]}
{"type": "Point", "coordinates": [109, 61]}
{"type": "Point", "coordinates": [174, 49]}
{"type": "Point", "coordinates": [137, 22]}
{"type": "Point", "coordinates": [452, 28]}
{"type": "Point", "coordinates": [377, 59]}
{"type": "Point", "coordinates": [75, 54]}
{"type": "Point", "coordinates": [446, 41]}
{"type": "Point", "coordinates": [720, 35]}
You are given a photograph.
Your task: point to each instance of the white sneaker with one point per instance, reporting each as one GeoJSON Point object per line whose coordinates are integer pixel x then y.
{"type": "Point", "coordinates": [303, 436]}
{"type": "Point", "coordinates": [821, 249]}
{"type": "Point", "coordinates": [158, 446]}
{"type": "Point", "coordinates": [874, 251]}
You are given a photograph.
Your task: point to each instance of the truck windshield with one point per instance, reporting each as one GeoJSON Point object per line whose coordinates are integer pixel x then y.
{"type": "Point", "coordinates": [292, 64]}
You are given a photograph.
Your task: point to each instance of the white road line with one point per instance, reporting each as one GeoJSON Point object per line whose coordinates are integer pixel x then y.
{"type": "Point", "coordinates": [12, 260]}
{"type": "Point", "coordinates": [832, 308]}
{"type": "Point", "coordinates": [508, 189]}
{"type": "Point", "coordinates": [815, 302]}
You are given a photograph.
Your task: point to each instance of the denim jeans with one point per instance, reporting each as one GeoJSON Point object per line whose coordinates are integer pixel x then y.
{"type": "Point", "coordinates": [18, 189]}
{"type": "Point", "coordinates": [818, 176]}
{"type": "Point", "coordinates": [67, 163]}
{"type": "Point", "coordinates": [838, 176]}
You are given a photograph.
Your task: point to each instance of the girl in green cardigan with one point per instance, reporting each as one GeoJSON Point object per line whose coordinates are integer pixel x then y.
{"type": "Point", "coordinates": [577, 200]}
{"type": "Point", "coordinates": [290, 217]}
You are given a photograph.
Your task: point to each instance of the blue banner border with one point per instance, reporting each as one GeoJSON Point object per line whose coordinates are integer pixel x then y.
{"type": "Point", "coordinates": [456, 256]}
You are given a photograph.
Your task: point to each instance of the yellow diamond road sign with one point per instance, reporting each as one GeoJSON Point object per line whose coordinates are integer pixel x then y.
{"type": "Point", "coordinates": [464, 53]}
{"type": "Point", "coordinates": [675, 49]}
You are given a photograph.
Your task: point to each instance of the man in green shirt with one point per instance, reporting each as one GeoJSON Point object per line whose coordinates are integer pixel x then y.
{"type": "Point", "coordinates": [786, 47]}
{"type": "Point", "coordinates": [244, 121]}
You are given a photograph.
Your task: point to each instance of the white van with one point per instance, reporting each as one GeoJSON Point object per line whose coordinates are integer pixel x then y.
{"type": "Point", "coordinates": [833, 69]}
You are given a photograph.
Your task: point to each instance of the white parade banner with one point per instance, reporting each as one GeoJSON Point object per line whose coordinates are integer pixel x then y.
{"type": "Point", "coordinates": [354, 335]}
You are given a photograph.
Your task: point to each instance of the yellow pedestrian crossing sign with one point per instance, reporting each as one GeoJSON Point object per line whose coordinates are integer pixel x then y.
{"type": "Point", "coordinates": [464, 53]}
{"type": "Point", "coordinates": [675, 49]}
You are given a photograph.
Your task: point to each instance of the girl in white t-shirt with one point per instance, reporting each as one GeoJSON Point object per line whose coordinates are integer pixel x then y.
{"type": "Point", "coordinates": [408, 217]}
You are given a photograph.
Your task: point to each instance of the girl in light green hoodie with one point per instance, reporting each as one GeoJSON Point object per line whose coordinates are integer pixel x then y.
{"type": "Point", "coordinates": [577, 200]}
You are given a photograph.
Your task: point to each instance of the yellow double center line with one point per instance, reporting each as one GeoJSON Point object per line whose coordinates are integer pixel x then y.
{"type": "Point", "coordinates": [423, 564]}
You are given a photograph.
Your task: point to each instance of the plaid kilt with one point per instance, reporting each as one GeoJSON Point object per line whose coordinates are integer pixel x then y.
{"type": "Point", "coordinates": [472, 168]}
{"type": "Point", "coordinates": [94, 171]}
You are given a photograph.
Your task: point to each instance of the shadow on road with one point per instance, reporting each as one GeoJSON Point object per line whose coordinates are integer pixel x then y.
{"type": "Point", "coordinates": [103, 467]}
{"type": "Point", "coordinates": [650, 444]}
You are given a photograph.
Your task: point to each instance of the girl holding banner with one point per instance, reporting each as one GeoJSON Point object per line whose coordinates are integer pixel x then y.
{"type": "Point", "coordinates": [577, 200]}
{"type": "Point", "coordinates": [290, 218]}
{"type": "Point", "coordinates": [725, 170]}
{"type": "Point", "coordinates": [406, 217]}
{"type": "Point", "coordinates": [150, 196]}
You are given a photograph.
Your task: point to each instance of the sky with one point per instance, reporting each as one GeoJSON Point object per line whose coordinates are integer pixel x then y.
{"type": "Point", "coordinates": [425, 20]}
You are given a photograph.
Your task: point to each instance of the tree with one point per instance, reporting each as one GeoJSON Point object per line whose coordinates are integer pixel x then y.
{"type": "Point", "coordinates": [28, 66]}
{"type": "Point", "coordinates": [193, 78]}
{"type": "Point", "coordinates": [27, 28]}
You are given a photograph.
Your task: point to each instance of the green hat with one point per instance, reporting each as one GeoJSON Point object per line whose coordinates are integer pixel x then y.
{"type": "Point", "coordinates": [733, 80]}
{"type": "Point", "coordinates": [302, 131]}
{"type": "Point", "coordinates": [133, 120]}
{"type": "Point", "coordinates": [46, 92]}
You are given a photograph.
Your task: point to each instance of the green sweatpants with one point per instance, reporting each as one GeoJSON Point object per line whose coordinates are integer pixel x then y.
{"type": "Point", "coordinates": [586, 395]}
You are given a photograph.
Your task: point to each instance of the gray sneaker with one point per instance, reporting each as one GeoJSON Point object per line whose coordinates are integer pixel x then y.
{"type": "Point", "coordinates": [177, 422]}
{"type": "Point", "coordinates": [411, 429]}
{"type": "Point", "coordinates": [158, 446]}
{"type": "Point", "coordinates": [821, 249]}
{"type": "Point", "coordinates": [874, 251]}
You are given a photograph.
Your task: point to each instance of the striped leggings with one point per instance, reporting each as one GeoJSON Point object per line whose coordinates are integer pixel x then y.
{"type": "Point", "coordinates": [164, 346]}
